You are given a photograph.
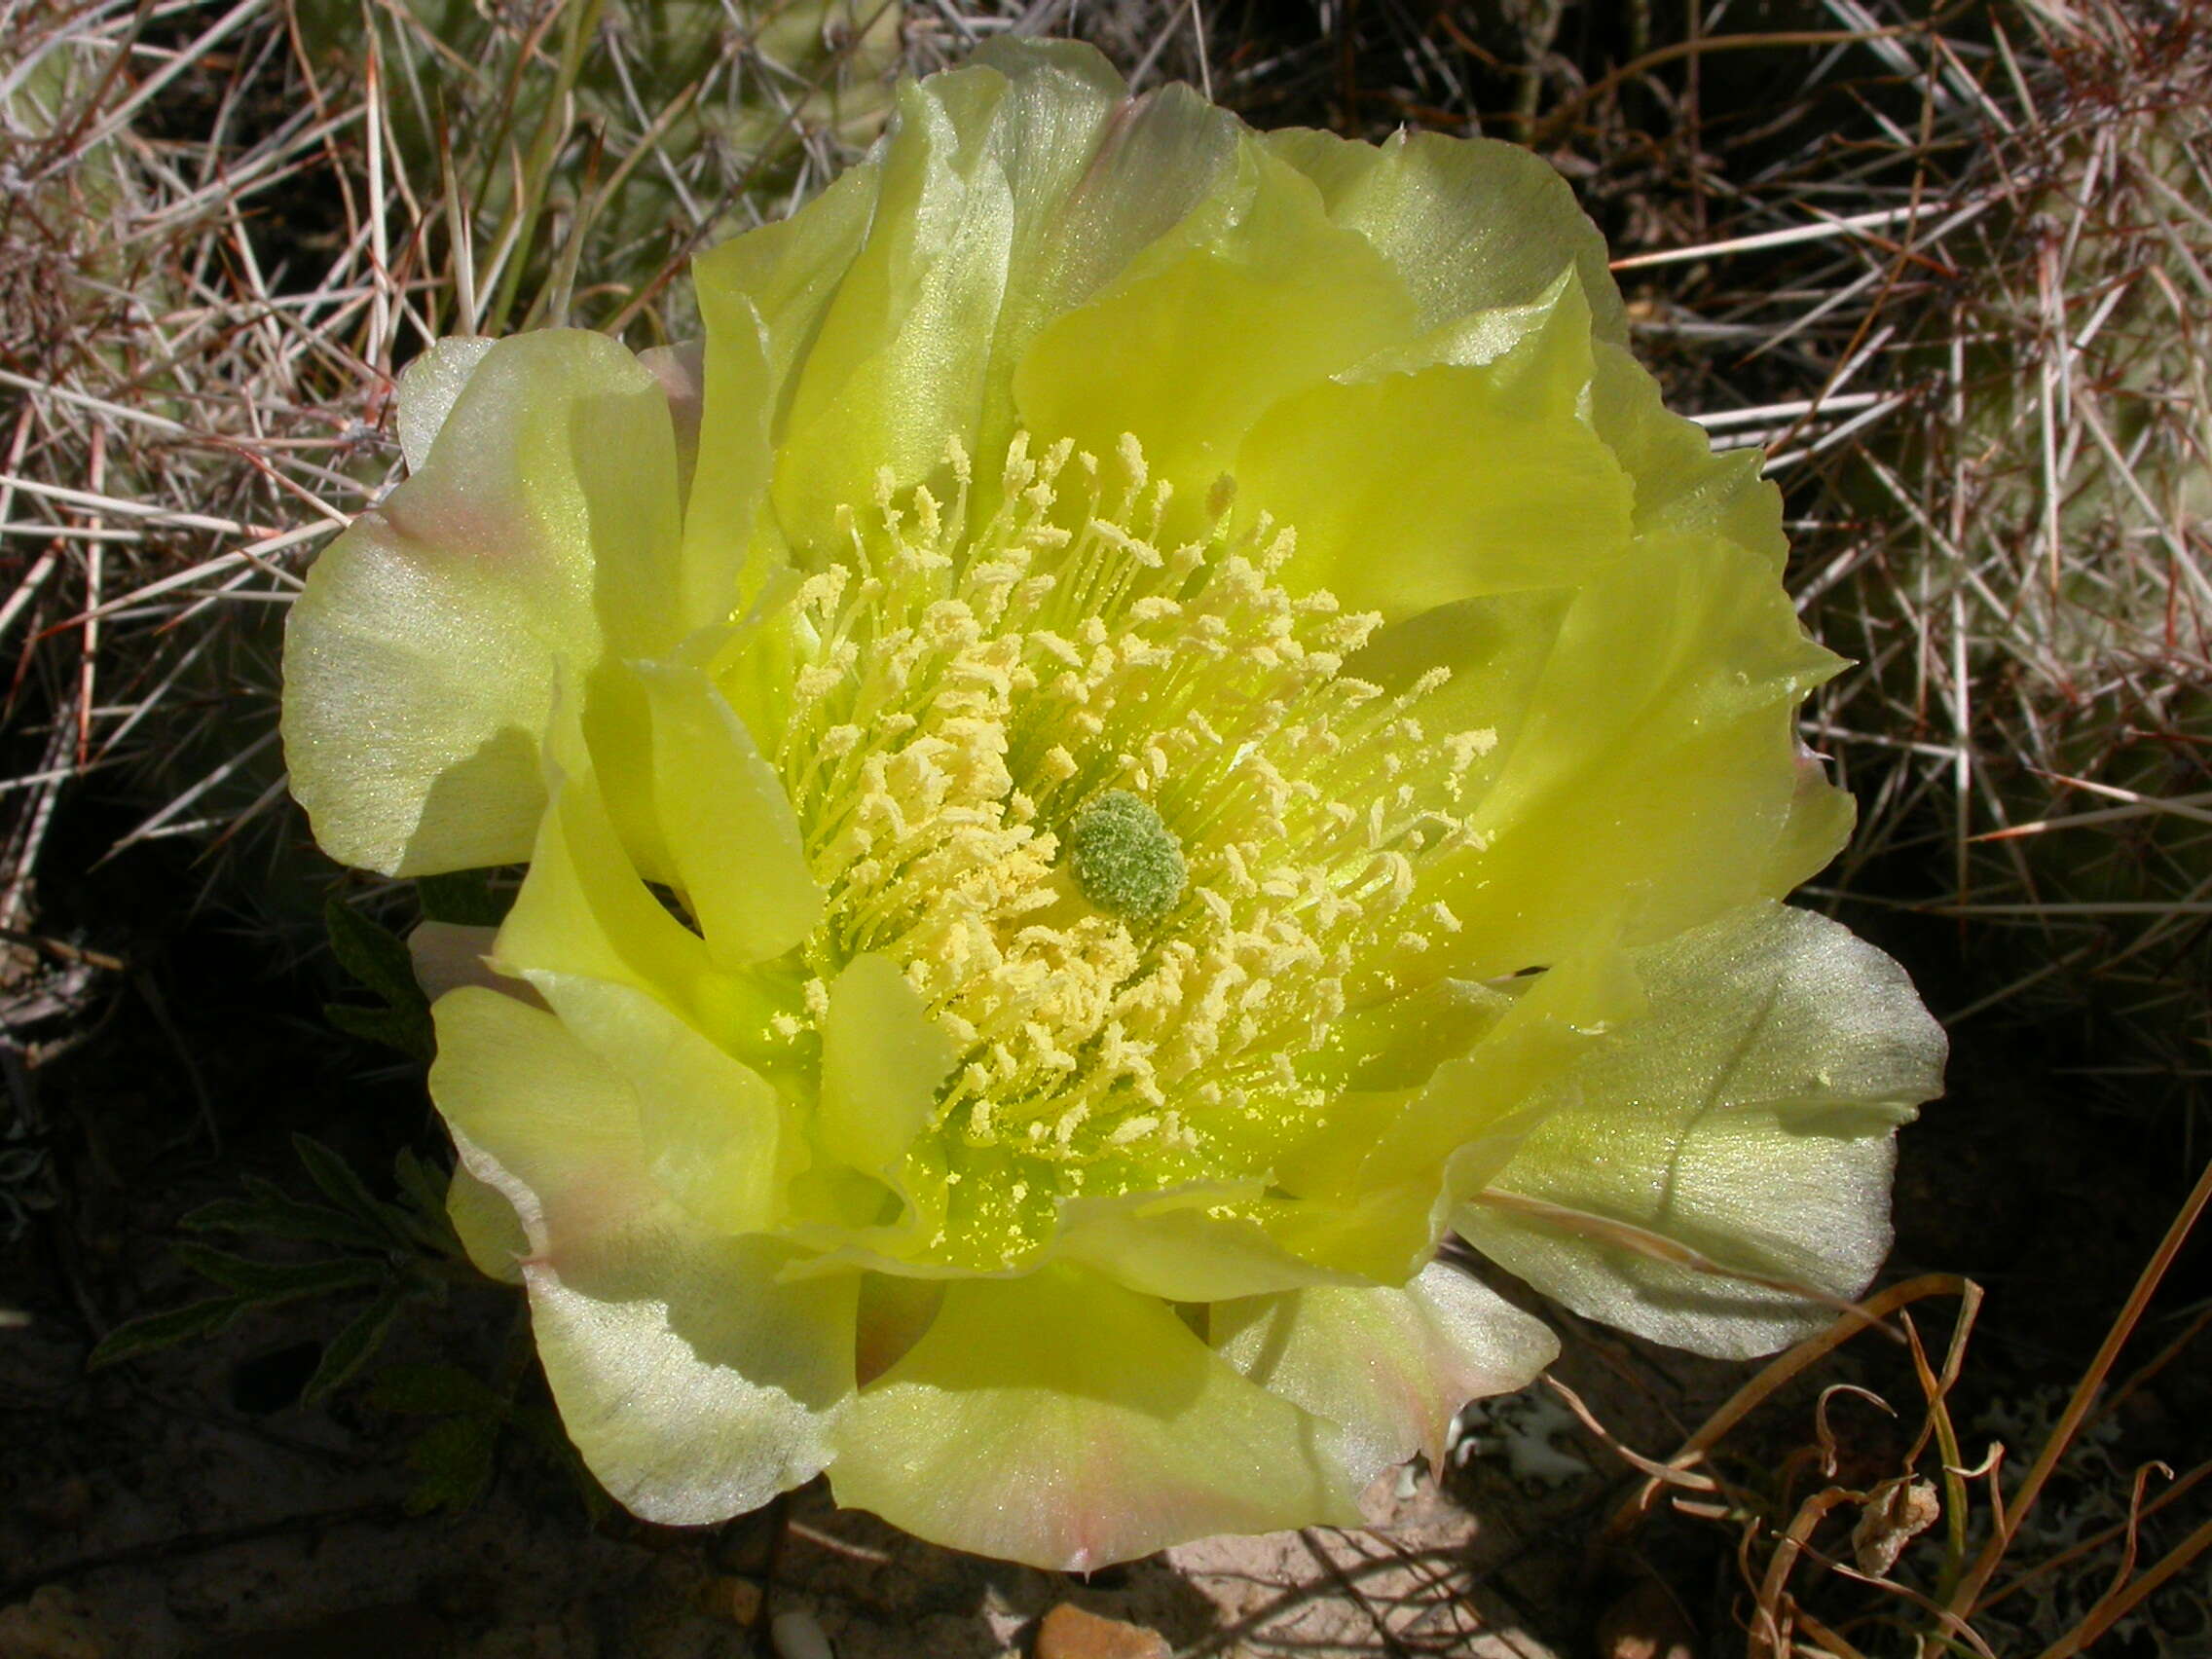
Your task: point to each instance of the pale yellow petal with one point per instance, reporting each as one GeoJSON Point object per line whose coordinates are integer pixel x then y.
{"type": "Point", "coordinates": [1749, 1118]}
{"type": "Point", "coordinates": [421, 661]}
{"type": "Point", "coordinates": [1061, 1420]}
{"type": "Point", "coordinates": [1469, 223]}
{"type": "Point", "coordinates": [1389, 1367]}
{"type": "Point", "coordinates": [882, 1061]}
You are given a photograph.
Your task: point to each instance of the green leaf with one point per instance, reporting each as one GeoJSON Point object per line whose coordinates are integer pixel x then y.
{"type": "Point", "coordinates": [281, 1281]}
{"type": "Point", "coordinates": [373, 954]}
{"type": "Point", "coordinates": [464, 896]}
{"type": "Point", "coordinates": [434, 1390]}
{"type": "Point", "coordinates": [406, 1029]}
{"type": "Point", "coordinates": [336, 1177]}
{"type": "Point", "coordinates": [452, 1460]}
{"type": "Point", "coordinates": [422, 1190]}
{"type": "Point", "coordinates": [152, 1332]}
{"type": "Point", "coordinates": [353, 1346]}
{"type": "Point", "coordinates": [270, 1213]}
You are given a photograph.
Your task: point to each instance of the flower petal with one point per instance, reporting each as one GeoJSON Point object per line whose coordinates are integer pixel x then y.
{"type": "Point", "coordinates": [487, 1225]}
{"type": "Point", "coordinates": [681, 371]}
{"type": "Point", "coordinates": [1064, 1422]}
{"type": "Point", "coordinates": [1190, 348]}
{"type": "Point", "coordinates": [429, 389]}
{"type": "Point", "coordinates": [732, 838]}
{"type": "Point", "coordinates": [761, 297]}
{"type": "Point", "coordinates": [581, 908]}
{"type": "Point", "coordinates": [1508, 487]}
{"type": "Point", "coordinates": [560, 1126]}
{"type": "Point", "coordinates": [446, 955]}
{"type": "Point", "coordinates": [1468, 223]}
{"type": "Point", "coordinates": [419, 662]}
{"type": "Point", "coordinates": [1009, 190]}
{"type": "Point", "coordinates": [1747, 1118]}
{"type": "Point", "coordinates": [1651, 771]}
{"type": "Point", "coordinates": [1190, 1246]}
{"type": "Point", "coordinates": [1390, 1368]}
{"type": "Point", "coordinates": [882, 1061]}
{"type": "Point", "coordinates": [1681, 485]}
{"type": "Point", "coordinates": [694, 1384]}
{"type": "Point", "coordinates": [714, 1132]}
{"type": "Point", "coordinates": [1489, 1094]}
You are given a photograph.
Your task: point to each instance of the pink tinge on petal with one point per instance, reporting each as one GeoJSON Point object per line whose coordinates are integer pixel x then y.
{"type": "Point", "coordinates": [681, 371]}
{"type": "Point", "coordinates": [429, 523]}
{"type": "Point", "coordinates": [447, 955]}
{"type": "Point", "coordinates": [1059, 1419]}
{"type": "Point", "coordinates": [569, 1214]}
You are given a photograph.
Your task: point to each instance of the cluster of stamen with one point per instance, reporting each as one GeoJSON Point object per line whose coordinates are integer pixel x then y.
{"type": "Point", "coordinates": [973, 692]}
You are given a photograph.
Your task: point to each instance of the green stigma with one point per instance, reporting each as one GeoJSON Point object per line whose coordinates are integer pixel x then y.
{"type": "Point", "coordinates": [1125, 859]}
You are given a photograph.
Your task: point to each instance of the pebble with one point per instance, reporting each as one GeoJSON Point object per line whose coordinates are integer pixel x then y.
{"type": "Point", "coordinates": [737, 1599]}
{"type": "Point", "coordinates": [1070, 1633]}
{"type": "Point", "coordinates": [798, 1635]}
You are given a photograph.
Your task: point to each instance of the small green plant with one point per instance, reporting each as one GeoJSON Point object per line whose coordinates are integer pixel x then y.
{"type": "Point", "coordinates": [469, 1421]}
{"type": "Point", "coordinates": [377, 958]}
{"type": "Point", "coordinates": [390, 1252]}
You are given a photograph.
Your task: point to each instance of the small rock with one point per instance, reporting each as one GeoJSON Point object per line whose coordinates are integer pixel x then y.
{"type": "Point", "coordinates": [51, 1624]}
{"type": "Point", "coordinates": [1070, 1633]}
{"type": "Point", "coordinates": [798, 1635]}
{"type": "Point", "coordinates": [737, 1599]}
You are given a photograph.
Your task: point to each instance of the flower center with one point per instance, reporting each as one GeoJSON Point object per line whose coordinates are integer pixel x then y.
{"type": "Point", "coordinates": [1121, 817]}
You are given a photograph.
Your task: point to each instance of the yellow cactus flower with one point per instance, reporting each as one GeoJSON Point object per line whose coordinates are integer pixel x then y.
{"type": "Point", "coordinates": [1156, 720]}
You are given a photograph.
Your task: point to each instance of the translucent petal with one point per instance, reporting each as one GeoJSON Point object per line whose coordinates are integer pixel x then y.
{"type": "Point", "coordinates": [448, 954]}
{"type": "Point", "coordinates": [1817, 826]}
{"type": "Point", "coordinates": [584, 910]}
{"type": "Point", "coordinates": [694, 1384]}
{"type": "Point", "coordinates": [419, 662]}
{"type": "Point", "coordinates": [1061, 1420]}
{"type": "Point", "coordinates": [1467, 224]}
{"type": "Point", "coordinates": [1008, 191]}
{"type": "Point", "coordinates": [882, 1061]}
{"type": "Point", "coordinates": [581, 908]}
{"type": "Point", "coordinates": [559, 1126]}
{"type": "Point", "coordinates": [1652, 769]}
{"type": "Point", "coordinates": [1100, 177]}
{"type": "Point", "coordinates": [1390, 1368]}
{"type": "Point", "coordinates": [761, 297]}
{"type": "Point", "coordinates": [1749, 1117]}
{"type": "Point", "coordinates": [487, 1225]}
{"type": "Point", "coordinates": [1681, 485]}
{"type": "Point", "coordinates": [733, 842]}
{"type": "Point", "coordinates": [681, 371]}
{"type": "Point", "coordinates": [1507, 488]}
{"type": "Point", "coordinates": [1397, 1044]}
{"type": "Point", "coordinates": [1487, 1094]}
{"type": "Point", "coordinates": [428, 389]}
{"type": "Point", "coordinates": [1495, 649]}
{"type": "Point", "coordinates": [1189, 352]}
{"type": "Point", "coordinates": [1193, 1246]}
{"type": "Point", "coordinates": [714, 1132]}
